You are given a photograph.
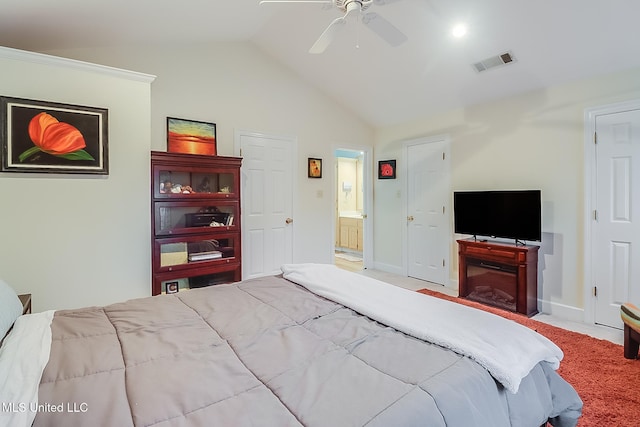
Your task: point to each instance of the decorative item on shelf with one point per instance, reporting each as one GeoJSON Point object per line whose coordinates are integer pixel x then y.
{"type": "Point", "coordinates": [213, 218]}
{"type": "Point", "coordinates": [203, 246]}
{"type": "Point", "coordinates": [42, 136]}
{"type": "Point", "coordinates": [165, 186]}
{"type": "Point", "coordinates": [172, 287]}
{"type": "Point", "coordinates": [205, 185]}
{"type": "Point", "coordinates": [191, 137]}
{"type": "Point", "coordinates": [314, 168]}
{"type": "Point", "coordinates": [387, 169]}
{"type": "Point", "coordinates": [169, 187]}
{"type": "Point", "coordinates": [204, 256]}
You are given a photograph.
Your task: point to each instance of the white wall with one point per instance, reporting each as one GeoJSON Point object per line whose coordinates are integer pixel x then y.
{"type": "Point", "coordinates": [531, 141]}
{"type": "Point", "coordinates": [72, 240]}
{"type": "Point", "coordinates": [238, 87]}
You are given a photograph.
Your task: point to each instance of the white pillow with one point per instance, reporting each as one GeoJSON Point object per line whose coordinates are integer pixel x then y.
{"type": "Point", "coordinates": [10, 308]}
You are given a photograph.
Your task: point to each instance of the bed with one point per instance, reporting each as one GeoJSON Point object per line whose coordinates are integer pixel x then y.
{"type": "Point", "coordinates": [316, 346]}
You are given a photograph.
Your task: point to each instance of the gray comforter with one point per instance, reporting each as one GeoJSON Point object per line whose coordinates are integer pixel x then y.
{"type": "Point", "coordinates": [267, 352]}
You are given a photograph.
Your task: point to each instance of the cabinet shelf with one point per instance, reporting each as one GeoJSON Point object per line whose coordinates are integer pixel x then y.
{"type": "Point", "coordinates": [195, 215]}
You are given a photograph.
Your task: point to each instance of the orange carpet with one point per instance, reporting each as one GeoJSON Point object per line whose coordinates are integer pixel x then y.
{"type": "Point", "coordinates": [608, 384]}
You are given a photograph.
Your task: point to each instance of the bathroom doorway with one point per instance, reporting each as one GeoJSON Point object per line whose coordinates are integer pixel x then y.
{"type": "Point", "coordinates": [350, 212]}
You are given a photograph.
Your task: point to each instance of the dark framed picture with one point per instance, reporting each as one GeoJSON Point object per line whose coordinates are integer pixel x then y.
{"type": "Point", "coordinates": [314, 168]}
{"type": "Point", "coordinates": [191, 137]}
{"type": "Point", "coordinates": [387, 169]}
{"type": "Point", "coordinates": [172, 287]}
{"type": "Point", "coordinates": [42, 136]}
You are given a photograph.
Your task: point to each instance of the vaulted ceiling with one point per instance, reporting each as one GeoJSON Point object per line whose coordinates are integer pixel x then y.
{"type": "Point", "coordinates": [552, 42]}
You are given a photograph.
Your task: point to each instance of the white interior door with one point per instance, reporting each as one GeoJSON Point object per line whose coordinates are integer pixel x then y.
{"type": "Point", "coordinates": [267, 202]}
{"type": "Point", "coordinates": [616, 226]}
{"type": "Point", "coordinates": [428, 195]}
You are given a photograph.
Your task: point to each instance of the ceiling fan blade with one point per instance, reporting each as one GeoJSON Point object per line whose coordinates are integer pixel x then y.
{"type": "Point", "coordinates": [296, 1]}
{"type": "Point", "coordinates": [327, 36]}
{"type": "Point", "coordinates": [383, 2]}
{"type": "Point", "coordinates": [385, 29]}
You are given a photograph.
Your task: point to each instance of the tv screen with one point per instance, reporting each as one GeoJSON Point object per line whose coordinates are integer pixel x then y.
{"type": "Point", "coordinates": [512, 214]}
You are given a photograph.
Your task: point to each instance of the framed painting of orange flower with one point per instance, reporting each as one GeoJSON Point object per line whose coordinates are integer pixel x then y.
{"type": "Point", "coordinates": [42, 136]}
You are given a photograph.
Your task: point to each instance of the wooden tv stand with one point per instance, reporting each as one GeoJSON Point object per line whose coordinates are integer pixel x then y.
{"type": "Point", "coordinates": [499, 274]}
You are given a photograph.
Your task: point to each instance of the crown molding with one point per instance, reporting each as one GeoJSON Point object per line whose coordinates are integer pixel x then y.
{"type": "Point", "coordinates": [41, 58]}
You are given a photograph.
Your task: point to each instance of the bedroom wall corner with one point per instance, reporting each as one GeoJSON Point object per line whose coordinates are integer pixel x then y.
{"type": "Point", "coordinates": [534, 140]}
{"type": "Point", "coordinates": [80, 240]}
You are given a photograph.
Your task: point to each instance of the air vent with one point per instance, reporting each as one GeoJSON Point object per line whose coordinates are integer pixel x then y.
{"type": "Point", "coordinates": [494, 61]}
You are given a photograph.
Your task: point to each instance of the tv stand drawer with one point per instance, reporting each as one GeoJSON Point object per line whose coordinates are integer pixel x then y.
{"type": "Point", "coordinates": [494, 252]}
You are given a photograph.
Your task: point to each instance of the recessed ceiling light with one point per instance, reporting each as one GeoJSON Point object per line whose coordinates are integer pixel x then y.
{"type": "Point", "coordinates": [459, 30]}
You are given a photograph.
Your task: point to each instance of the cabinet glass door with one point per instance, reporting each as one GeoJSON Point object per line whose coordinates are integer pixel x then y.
{"type": "Point", "coordinates": [185, 217]}
{"type": "Point", "coordinates": [183, 182]}
{"type": "Point", "coordinates": [178, 253]}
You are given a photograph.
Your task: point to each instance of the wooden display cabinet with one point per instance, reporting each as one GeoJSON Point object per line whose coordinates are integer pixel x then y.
{"type": "Point", "coordinates": [499, 274]}
{"type": "Point", "coordinates": [195, 220]}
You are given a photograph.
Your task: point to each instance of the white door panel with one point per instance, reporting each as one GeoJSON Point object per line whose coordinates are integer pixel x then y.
{"type": "Point", "coordinates": [267, 179]}
{"type": "Point", "coordinates": [616, 231]}
{"type": "Point", "coordinates": [427, 220]}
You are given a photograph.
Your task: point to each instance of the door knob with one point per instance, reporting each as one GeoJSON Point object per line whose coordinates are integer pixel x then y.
{"type": "Point", "coordinates": [410, 218]}
{"type": "Point", "coordinates": [288, 220]}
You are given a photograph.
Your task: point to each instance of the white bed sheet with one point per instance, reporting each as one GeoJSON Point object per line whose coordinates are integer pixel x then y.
{"type": "Point", "coordinates": [505, 348]}
{"type": "Point", "coordinates": [23, 356]}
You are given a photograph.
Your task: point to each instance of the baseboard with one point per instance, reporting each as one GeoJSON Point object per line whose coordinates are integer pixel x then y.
{"type": "Point", "coordinates": [388, 268]}
{"type": "Point", "coordinates": [562, 311]}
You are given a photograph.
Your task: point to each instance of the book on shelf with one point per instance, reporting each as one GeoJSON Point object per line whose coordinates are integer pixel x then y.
{"type": "Point", "coordinates": [203, 256]}
{"type": "Point", "coordinates": [173, 254]}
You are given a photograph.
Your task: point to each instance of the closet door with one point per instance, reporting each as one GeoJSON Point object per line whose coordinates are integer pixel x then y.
{"type": "Point", "coordinates": [616, 225]}
{"type": "Point", "coordinates": [267, 203]}
{"type": "Point", "coordinates": [428, 194]}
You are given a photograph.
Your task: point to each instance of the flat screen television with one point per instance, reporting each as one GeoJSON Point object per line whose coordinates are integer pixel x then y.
{"type": "Point", "coordinates": [510, 214]}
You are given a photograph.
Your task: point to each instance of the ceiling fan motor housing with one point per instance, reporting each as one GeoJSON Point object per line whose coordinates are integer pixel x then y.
{"type": "Point", "coordinates": [349, 5]}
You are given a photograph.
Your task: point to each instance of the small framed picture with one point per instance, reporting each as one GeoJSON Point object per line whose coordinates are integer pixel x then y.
{"type": "Point", "coordinates": [191, 137]}
{"type": "Point", "coordinates": [172, 287]}
{"type": "Point", "coordinates": [315, 168]}
{"type": "Point", "coordinates": [387, 169]}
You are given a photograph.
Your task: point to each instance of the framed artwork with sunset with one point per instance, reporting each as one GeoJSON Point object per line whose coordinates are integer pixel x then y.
{"type": "Point", "coordinates": [191, 137]}
{"type": "Point", "coordinates": [50, 137]}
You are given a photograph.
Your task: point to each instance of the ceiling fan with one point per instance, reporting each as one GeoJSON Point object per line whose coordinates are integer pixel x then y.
{"type": "Point", "coordinates": [376, 23]}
